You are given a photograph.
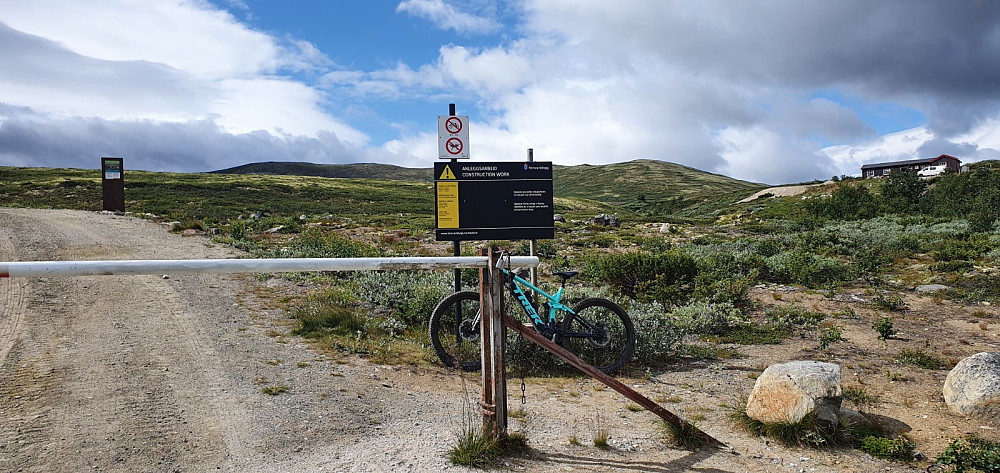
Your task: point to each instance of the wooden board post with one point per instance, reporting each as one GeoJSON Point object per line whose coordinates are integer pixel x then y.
{"type": "Point", "coordinates": [494, 402]}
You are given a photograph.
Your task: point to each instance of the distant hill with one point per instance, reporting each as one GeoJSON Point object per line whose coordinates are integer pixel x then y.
{"type": "Point", "coordinates": [644, 186]}
{"type": "Point", "coordinates": [653, 187]}
{"type": "Point", "coordinates": [347, 171]}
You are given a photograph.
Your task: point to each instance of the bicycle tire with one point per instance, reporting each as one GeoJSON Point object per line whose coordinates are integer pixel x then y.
{"type": "Point", "coordinates": [462, 351]}
{"type": "Point", "coordinates": [614, 340]}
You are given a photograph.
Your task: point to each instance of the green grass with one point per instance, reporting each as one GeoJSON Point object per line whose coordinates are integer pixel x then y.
{"type": "Point", "coordinates": [223, 197]}
{"type": "Point", "coordinates": [685, 435]}
{"type": "Point", "coordinates": [477, 448]}
{"type": "Point", "coordinates": [921, 359]}
{"type": "Point", "coordinates": [275, 390]}
{"type": "Point", "coordinates": [752, 335]}
{"type": "Point", "coordinates": [861, 397]}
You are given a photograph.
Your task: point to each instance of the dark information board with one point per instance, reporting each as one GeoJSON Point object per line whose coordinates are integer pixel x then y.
{"type": "Point", "coordinates": [112, 184]}
{"type": "Point", "coordinates": [493, 201]}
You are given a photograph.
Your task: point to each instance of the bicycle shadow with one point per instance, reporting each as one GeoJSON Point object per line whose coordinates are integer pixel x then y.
{"type": "Point", "coordinates": [684, 463]}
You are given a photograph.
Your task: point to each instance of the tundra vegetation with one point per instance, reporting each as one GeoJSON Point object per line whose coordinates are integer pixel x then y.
{"type": "Point", "coordinates": [689, 290]}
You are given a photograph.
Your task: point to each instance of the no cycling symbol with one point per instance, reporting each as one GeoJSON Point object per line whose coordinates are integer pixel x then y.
{"type": "Point", "coordinates": [454, 145]}
{"type": "Point", "coordinates": [453, 125]}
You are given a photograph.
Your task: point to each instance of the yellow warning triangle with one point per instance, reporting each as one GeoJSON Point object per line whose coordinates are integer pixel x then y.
{"type": "Point", "coordinates": [447, 174]}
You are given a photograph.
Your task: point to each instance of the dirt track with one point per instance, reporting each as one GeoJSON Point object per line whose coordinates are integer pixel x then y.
{"type": "Point", "coordinates": [142, 373]}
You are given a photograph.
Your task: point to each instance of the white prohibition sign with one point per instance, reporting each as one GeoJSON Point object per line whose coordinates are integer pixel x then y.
{"type": "Point", "coordinates": [453, 125]}
{"type": "Point", "coordinates": [454, 145]}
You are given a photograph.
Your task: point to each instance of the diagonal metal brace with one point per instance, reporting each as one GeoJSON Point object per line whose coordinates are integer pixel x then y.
{"type": "Point", "coordinates": [537, 338]}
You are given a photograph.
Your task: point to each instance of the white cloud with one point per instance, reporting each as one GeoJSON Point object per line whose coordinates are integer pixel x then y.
{"type": "Point", "coordinates": [898, 146]}
{"type": "Point", "coordinates": [172, 62]}
{"type": "Point", "coordinates": [291, 109]}
{"type": "Point", "coordinates": [446, 16]}
{"type": "Point", "coordinates": [760, 155]}
{"type": "Point", "coordinates": [488, 72]}
{"type": "Point", "coordinates": [185, 35]}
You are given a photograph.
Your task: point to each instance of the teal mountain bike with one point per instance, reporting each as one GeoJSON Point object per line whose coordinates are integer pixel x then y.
{"type": "Point", "coordinates": [597, 330]}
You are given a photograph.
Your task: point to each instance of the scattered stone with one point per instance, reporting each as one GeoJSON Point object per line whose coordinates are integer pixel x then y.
{"type": "Point", "coordinates": [607, 220]}
{"type": "Point", "coordinates": [972, 388]}
{"type": "Point", "coordinates": [665, 228]}
{"type": "Point", "coordinates": [190, 232]}
{"type": "Point", "coordinates": [931, 288]}
{"type": "Point", "coordinates": [788, 392]}
{"type": "Point", "coordinates": [165, 276]}
{"type": "Point", "coordinates": [275, 229]}
{"type": "Point", "coordinates": [558, 218]}
{"type": "Point", "coordinates": [257, 215]}
{"type": "Point", "coordinates": [303, 217]}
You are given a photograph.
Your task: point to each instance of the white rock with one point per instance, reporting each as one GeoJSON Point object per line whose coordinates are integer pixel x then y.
{"type": "Point", "coordinates": [788, 392]}
{"type": "Point", "coordinates": [972, 388]}
{"type": "Point", "coordinates": [931, 288]}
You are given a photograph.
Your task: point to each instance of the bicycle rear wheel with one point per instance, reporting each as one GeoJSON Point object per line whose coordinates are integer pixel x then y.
{"type": "Point", "coordinates": [454, 330]}
{"type": "Point", "coordinates": [611, 334]}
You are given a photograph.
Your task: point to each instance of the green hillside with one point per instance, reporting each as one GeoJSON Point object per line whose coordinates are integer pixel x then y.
{"type": "Point", "coordinates": [654, 188]}
{"type": "Point", "coordinates": [350, 171]}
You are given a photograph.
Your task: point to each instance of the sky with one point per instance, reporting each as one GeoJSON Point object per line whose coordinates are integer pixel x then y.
{"type": "Point", "coordinates": [770, 91]}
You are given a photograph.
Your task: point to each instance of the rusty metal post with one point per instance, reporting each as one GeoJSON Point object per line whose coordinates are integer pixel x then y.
{"type": "Point", "coordinates": [494, 402]}
{"type": "Point", "coordinates": [529, 332]}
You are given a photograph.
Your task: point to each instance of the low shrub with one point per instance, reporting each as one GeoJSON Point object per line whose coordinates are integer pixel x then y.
{"type": "Point", "coordinates": [921, 359]}
{"type": "Point", "coordinates": [883, 325]}
{"type": "Point", "coordinates": [847, 202]}
{"type": "Point", "coordinates": [662, 335]}
{"type": "Point", "coordinates": [708, 318]}
{"type": "Point", "coordinates": [971, 453]}
{"type": "Point", "coordinates": [666, 277]}
{"type": "Point", "coordinates": [900, 448]}
{"type": "Point", "coordinates": [793, 316]}
{"type": "Point", "coordinates": [888, 302]}
{"type": "Point", "coordinates": [803, 267]}
{"type": "Point", "coordinates": [830, 335]}
{"type": "Point", "coordinates": [316, 243]}
{"type": "Point", "coordinates": [408, 296]}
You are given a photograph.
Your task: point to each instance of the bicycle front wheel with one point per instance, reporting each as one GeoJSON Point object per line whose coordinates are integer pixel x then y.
{"type": "Point", "coordinates": [606, 334]}
{"type": "Point", "coordinates": [454, 330]}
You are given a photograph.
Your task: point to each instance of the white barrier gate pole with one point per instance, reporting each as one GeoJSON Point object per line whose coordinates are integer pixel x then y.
{"type": "Point", "coordinates": [274, 265]}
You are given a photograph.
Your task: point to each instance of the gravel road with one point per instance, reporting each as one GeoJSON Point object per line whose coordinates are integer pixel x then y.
{"type": "Point", "coordinates": [145, 373]}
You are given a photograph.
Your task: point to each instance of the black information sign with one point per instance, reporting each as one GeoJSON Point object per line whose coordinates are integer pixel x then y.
{"type": "Point", "coordinates": [493, 201]}
{"type": "Point", "coordinates": [112, 184]}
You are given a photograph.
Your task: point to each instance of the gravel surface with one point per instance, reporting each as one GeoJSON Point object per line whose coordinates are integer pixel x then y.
{"type": "Point", "coordinates": [146, 373]}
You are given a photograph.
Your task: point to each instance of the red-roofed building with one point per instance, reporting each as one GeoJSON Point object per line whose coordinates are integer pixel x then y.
{"type": "Point", "coordinates": [884, 169]}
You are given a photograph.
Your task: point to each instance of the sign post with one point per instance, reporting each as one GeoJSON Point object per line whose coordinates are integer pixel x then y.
{"type": "Point", "coordinates": [112, 184]}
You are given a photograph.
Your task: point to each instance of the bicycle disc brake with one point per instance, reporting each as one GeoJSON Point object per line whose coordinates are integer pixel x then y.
{"type": "Point", "coordinates": [469, 330]}
{"type": "Point", "coordinates": [600, 337]}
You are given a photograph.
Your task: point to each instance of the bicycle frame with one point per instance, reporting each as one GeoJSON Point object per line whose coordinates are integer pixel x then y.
{"type": "Point", "coordinates": [515, 282]}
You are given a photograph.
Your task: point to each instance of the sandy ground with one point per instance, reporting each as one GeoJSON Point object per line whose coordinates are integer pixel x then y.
{"type": "Point", "coordinates": [783, 191]}
{"type": "Point", "coordinates": [143, 373]}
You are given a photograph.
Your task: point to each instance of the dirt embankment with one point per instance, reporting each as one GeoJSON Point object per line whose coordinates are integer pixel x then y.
{"type": "Point", "coordinates": [144, 373]}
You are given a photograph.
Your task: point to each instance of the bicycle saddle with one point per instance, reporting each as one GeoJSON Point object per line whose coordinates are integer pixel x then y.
{"type": "Point", "coordinates": [566, 274]}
